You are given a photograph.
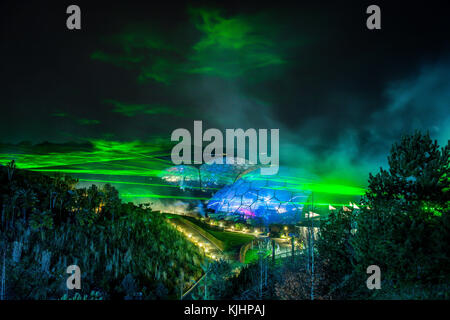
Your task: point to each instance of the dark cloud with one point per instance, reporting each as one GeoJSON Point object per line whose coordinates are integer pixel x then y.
{"type": "Point", "coordinates": [339, 93]}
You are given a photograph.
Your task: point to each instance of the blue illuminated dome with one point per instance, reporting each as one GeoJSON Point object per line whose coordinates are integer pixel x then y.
{"type": "Point", "coordinates": [278, 198]}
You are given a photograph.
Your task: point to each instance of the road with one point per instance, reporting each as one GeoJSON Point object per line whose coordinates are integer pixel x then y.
{"type": "Point", "coordinates": [209, 248]}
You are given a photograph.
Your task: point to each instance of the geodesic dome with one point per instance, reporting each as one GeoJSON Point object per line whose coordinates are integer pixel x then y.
{"type": "Point", "coordinates": [182, 175]}
{"type": "Point", "coordinates": [278, 198]}
{"type": "Point", "coordinates": [208, 175]}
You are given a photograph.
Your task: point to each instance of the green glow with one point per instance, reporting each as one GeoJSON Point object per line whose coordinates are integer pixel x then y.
{"type": "Point", "coordinates": [159, 196]}
{"type": "Point", "coordinates": [224, 46]}
{"type": "Point", "coordinates": [295, 183]}
{"type": "Point", "coordinates": [60, 114]}
{"type": "Point", "coordinates": [232, 46]}
{"type": "Point", "coordinates": [321, 204]}
{"type": "Point", "coordinates": [132, 158]}
{"type": "Point", "coordinates": [337, 189]}
{"type": "Point", "coordinates": [81, 121]}
{"type": "Point", "coordinates": [149, 173]}
{"type": "Point", "coordinates": [142, 184]}
{"type": "Point", "coordinates": [325, 188]}
{"type": "Point", "coordinates": [129, 165]}
{"type": "Point", "coordinates": [131, 110]}
{"type": "Point", "coordinates": [436, 211]}
{"type": "Point", "coordinates": [132, 163]}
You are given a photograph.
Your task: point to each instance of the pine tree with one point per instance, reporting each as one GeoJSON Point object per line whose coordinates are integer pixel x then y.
{"type": "Point", "coordinates": [408, 203]}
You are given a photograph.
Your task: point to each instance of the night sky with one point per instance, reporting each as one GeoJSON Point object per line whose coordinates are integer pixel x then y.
{"type": "Point", "coordinates": [339, 93]}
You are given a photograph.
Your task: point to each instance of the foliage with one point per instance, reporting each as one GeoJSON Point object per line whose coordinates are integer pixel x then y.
{"type": "Point", "coordinates": [123, 250]}
{"type": "Point", "coordinates": [293, 280]}
{"type": "Point", "coordinates": [252, 255]}
{"type": "Point", "coordinates": [215, 281]}
{"type": "Point", "coordinates": [94, 295]}
{"type": "Point", "coordinates": [404, 230]}
{"type": "Point", "coordinates": [403, 226]}
{"type": "Point", "coordinates": [334, 244]}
